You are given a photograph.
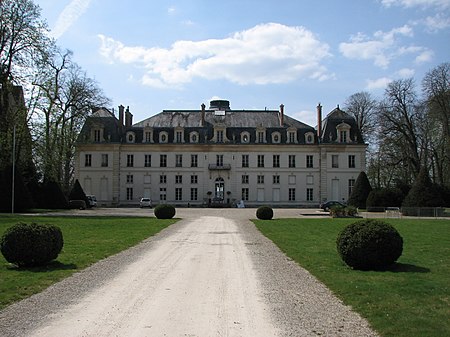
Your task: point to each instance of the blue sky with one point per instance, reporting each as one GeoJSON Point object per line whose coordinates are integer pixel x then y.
{"type": "Point", "coordinates": [155, 55]}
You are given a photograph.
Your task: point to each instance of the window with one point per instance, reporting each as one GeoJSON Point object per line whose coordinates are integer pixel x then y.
{"type": "Point", "coordinates": [219, 160]}
{"type": "Point", "coordinates": [163, 194]}
{"type": "Point", "coordinates": [309, 161]}
{"type": "Point", "coordinates": [292, 194]}
{"type": "Point", "coordinates": [260, 136]}
{"type": "Point", "coordinates": [178, 179]}
{"type": "Point", "coordinates": [276, 160]}
{"type": "Point", "coordinates": [148, 136]}
{"type": "Point", "coordinates": [334, 161]}
{"type": "Point", "coordinates": [219, 136]}
{"type": "Point", "coordinates": [343, 136]}
{"type": "Point", "coordinates": [260, 160]}
{"type": "Point", "coordinates": [245, 137]}
{"type": "Point", "coordinates": [148, 160]}
{"type": "Point", "coordinates": [129, 178]}
{"type": "Point", "coordinates": [194, 194]}
{"type": "Point", "coordinates": [194, 137]}
{"type": "Point", "coordinates": [163, 179]}
{"type": "Point", "coordinates": [292, 160]}
{"type": "Point", "coordinates": [97, 136]}
{"type": "Point", "coordinates": [179, 136]}
{"type": "Point", "coordinates": [129, 193]}
{"type": "Point", "coordinates": [178, 194]}
{"type": "Point", "coordinates": [276, 137]}
{"type": "Point", "coordinates": [309, 194]}
{"type": "Point", "coordinates": [351, 183]}
{"type": "Point", "coordinates": [292, 135]}
{"type": "Point", "coordinates": [104, 160]}
{"type": "Point", "coordinates": [245, 194]}
{"type": "Point", "coordinates": [245, 160]}
{"type": "Point", "coordinates": [163, 137]}
{"type": "Point", "coordinates": [351, 161]}
{"type": "Point", "coordinates": [194, 179]}
{"type": "Point", "coordinates": [88, 160]}
{"type": "Point", "coordinates": [179, 160]}
{"type": "Point", "coordinates": [276, 179]}
{"type": "Point", "coordinates": [194, 160]}
{"type": "Point", "coordinates": [260, 179]}
{"type": "Point", "coordinates": [163, 160]}
{"type": "Point", "coordinates": [309, 138]}
{"type": "Point", "coordinates": [245, 179]}
{"type": "Point", "coordinates": [130, 160]}
{"type": "Point", "coordinates": [130, 137]}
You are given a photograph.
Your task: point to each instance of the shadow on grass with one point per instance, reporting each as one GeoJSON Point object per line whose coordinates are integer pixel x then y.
{"type": "Point", "coordinates": [407, 268]}
{"type": "Point", "coordinates": [52, 266]}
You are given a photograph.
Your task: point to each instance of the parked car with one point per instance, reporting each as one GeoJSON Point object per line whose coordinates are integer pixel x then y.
{"type": "Point", "coordinates": [145, 202]}
{"type": "Point", "coordinates": [327, 205]}
{"type": "Point", "coordinates": [92, 200]}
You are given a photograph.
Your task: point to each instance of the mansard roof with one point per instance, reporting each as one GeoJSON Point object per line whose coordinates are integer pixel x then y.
{"type": "Point", "coordinates": [228, 118]}
{"type": "Point", "coordinates": [330, 127]}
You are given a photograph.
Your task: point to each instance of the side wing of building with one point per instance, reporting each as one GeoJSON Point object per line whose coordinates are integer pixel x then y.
{"type": "Point", "coordinates": [219, 156]}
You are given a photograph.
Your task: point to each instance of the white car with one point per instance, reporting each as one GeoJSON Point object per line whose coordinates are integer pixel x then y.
{"type": "Point", "coordinates": [145, 202]}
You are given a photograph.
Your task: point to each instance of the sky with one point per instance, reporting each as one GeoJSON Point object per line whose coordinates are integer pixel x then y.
{"type": "Point", "coordinates": [156, 55]}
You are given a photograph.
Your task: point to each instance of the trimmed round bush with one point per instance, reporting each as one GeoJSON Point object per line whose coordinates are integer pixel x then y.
{"type": "Point", "coordinates": [369, 245]}
{"type": "Point", "coordinates": [164, 211]}
{"type": "Point", "coordinates": [29, 245]}
{"type": "Point", "coordinates": [264, 213]}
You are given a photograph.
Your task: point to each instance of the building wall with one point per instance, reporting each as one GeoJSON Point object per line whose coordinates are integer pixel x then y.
{"type": "Point", "coordinates": [109, 183]}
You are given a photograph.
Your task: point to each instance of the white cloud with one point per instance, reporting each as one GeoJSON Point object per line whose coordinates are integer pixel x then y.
{"type": "Point", "coordinates": [436, 22]}
{"type": "Point", "coordinates": [417, 3]}
{"type": "Point", "coordinates": [69, 16]}
{"type": "Point", "coordinates": [379, 83]}
{"type": "Point", "coordinates": [171, 10]}
{"type": "Point", "coordinates": [266, 53]}
{"type": "Point", "coordinates": [382, 48]}
{"type": "Point", "coordinates": [424, 56]}
{"type": "Point", "coordinates": [406, 73]}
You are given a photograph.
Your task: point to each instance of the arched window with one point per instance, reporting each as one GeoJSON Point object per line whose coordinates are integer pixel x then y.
{"type": "Point", "coordinates": [276, 137]}
{"type": "Point", "coordinates": [245, 137]}
{"type": "Point", "coordinates": [163, 137]}
{"type": "Point", "coordinates": [130, 137]}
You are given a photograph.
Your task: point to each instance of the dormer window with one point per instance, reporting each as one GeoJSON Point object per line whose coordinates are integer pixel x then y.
{"type": "Point", "coordinates": [309, 138]}
{"type": "Point", "coordinates": [219, 136]}
{"type": "Point", "coordinates": [276, 137]}
{"type": "Point", "coordinates": [292, 136]}
{"type": "Point", "coordinates": [97, 134]}
{"type": "Point", "coordinates": [245, 137]}
{"type": "Point", "coordinates": [194, 137]}
{"type": "Point", "coordinates": [179, 135]}
{"type": "Point", "coordinates": [163, 137]}
{"type": "Point", "coordinates": [343, 133]}
{"type": "Point", "coordinates": [130, 137]}
{"type": "Point", "coordinates": [261, 135]}
{"type": "Point", "coordinates": [148, 137]}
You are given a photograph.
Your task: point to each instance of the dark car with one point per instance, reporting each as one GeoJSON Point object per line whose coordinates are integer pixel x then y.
{"type": "Point", "coordinates": [327, 205]}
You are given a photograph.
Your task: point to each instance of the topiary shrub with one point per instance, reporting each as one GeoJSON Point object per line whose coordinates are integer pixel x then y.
{"type": "Point", "coordinates": [264, 213]}
{"type": "Point", "coordinates": [29, 245]}
{"type": "Point", "coordinates": [360, 191]}
{"type": "Point", "coordinates": [369, 244]}
{"type": "Point", "coordinates": [164, 211]}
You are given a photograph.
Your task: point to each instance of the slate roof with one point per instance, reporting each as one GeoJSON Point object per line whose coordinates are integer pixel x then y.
{"type": "Point", "coordinates": [332, 120]}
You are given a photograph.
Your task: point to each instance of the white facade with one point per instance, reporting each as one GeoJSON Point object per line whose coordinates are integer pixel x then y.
{"type": "Point", "coordinates": [222, 168]}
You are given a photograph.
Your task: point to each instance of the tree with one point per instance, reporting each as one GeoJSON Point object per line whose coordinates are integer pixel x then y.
{"type": "Point", "coordinates": [363, 108]}
{"type": "Point", "coordinates": [77, 193]}
{"type": "Point", "coordinates": [360, 191]}
{"type": "Point", "coordinates": [401, 118]}
{"type": "Point", "coordinates": [65, 97]}
{"type": "Point", "coordinates": [423, 193]}
{"type": "Point", "coordinates": [436, 88]}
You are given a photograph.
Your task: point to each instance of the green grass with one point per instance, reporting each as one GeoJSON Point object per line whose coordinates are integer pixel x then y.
{"type": "Point", "coordinates": [410, 299]}
{"type": "Point", "coordinates": [86, 240]}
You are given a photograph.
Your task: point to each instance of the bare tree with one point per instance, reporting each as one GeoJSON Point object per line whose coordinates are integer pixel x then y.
{"type": "Point", "coordinates": [64, 98]}
{"type": "Point", "coordinates": [401, 119]}
{"type": "Point", "coordinates": [363, 108]}
{"type": "Point", "coordinates": [436, 87]}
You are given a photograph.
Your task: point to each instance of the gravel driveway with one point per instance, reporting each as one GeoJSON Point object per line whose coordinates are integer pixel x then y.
{"type": "Point", "coordinates": [211, 274]}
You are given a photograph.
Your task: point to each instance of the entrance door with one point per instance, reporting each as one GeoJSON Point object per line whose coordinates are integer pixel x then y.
{"type": "Point", "coordinates": [219, 189]}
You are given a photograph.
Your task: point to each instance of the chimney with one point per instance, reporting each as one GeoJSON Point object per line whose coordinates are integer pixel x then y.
{"type": "Point", "coordinates": [128, 117]}
{"type": "Point", "coordinates": [202, 117]}
{"type": "Point", "coordinates": [121, 108]}
{"type": "Point", "coordinates": [319, 121]}
{"type": "Point", "coordinates": [282, 115]}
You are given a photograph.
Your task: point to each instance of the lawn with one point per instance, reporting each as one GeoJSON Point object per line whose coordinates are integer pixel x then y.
{"type": "Point", "coordinates": [410, 299]}
{"type": "Point", "coordinates": [86, 240]}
